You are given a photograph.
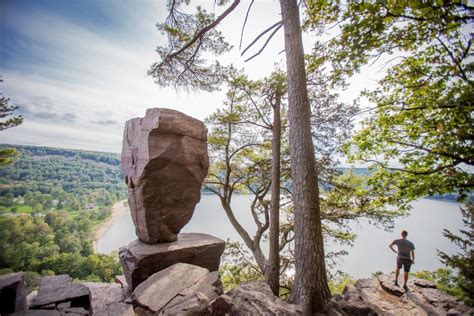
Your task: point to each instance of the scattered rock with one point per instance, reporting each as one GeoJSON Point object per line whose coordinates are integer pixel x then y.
{"type": "Point", "coordinates": [116, 309]}
{"type": "Point", "coordinates": [59, 289]}
{"type": "Point", "coordinates": [388, 284]}
{"type": "Point", "coordinates": [252, 298]}
{"type": "Point", "coordinates": [164, 160]}
{"type": "Point", "coordinates": [74, 311]}
{"type": "Point", "coordinates": [13, 293]}
{"type": "Point", "coordinates": [140, 260]}
{"type": "Point", "coordinates": [192, 304]}
{"type": "Point", "coordinates": [38, 312]}
{"type": "Point", "coordinates": [383, 302]}
{"type": "Point", "coordinates": [179, 289]}
{"type": "Point", "coordinates": [64, 305]}
{"type": "Point", "coordinates": [422, 283]}
{"type": "Point", "coordinates": [120, 279]}
{"type": "Point", "coordinates": [104, 294]}
{"type": "Point", "coordinates": [352, 302]}
{"type": "Point", "coordinates": [380, 296]}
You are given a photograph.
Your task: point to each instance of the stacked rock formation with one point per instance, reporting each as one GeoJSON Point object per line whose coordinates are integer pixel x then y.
{"type": "Point", "coordinates": [165, 161]}
{"type": "Point", "coordinates": [166, 272]}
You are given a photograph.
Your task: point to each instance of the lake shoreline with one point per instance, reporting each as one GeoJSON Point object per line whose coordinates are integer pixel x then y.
{"type": "Point", "coordinates": [425, 225]}
{"type": "Point", "coordinates": [118, 209]}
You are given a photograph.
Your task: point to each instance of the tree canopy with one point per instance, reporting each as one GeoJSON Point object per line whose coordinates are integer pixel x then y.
{"type": "Point", "coordinates": [419, 135]}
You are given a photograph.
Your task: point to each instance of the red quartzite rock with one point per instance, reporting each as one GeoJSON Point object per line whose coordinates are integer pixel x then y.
{"type": "Point", "coordinates": [108, 299]}
{"type": "Point", "coordinates": [12, 293]}
{"type": "Point", "coordinates": [251, 298]}
{"type": "Point", "coordinates": [380, 296]}
{"type": "Point", "coordinates": [164, 160]}
{"type": "Point", "coordinates": [58, 289]}
{"type": "Point", "coordinates": [140, 260]}
{"type": "Point", "coordinates": [181, 289]}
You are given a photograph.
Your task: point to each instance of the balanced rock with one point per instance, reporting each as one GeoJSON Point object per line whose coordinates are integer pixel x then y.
{"type": "Point", "coordinates": [164, 160]}
{"type": "Point", "coordinates": [58, 289]}
{"type": "Point", "coordinates": [140, 260]}
{"type": "Point", "coordinates": [252, 298]}
{"type": "Point", "coordinates": [12, 293]}
{"type": "Point", "coordinates": [181, 289]}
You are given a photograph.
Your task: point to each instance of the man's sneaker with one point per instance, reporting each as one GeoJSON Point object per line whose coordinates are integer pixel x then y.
{"type": "Point", "coordinates": [396, 283]}
{"type": "Point", "coordinates": [405, 287]}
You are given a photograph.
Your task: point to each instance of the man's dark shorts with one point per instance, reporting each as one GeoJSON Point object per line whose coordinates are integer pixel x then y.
{"type": "Point", "coordinates": [406, 263]}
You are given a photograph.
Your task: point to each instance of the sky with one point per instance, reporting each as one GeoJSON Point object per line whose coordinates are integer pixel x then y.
{"type": "Point", "coordinates": [77, 69]}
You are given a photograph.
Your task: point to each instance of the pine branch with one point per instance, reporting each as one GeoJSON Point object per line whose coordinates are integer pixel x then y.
{"type": "Point", "coordinates": [279, 23]}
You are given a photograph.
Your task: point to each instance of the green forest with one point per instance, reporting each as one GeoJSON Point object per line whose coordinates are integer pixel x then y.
{"type": "Point", "coordinates": [51, 201]}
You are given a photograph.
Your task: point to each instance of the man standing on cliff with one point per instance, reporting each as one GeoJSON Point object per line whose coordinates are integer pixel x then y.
{"type": "Point", "coordinates": [405, 257]}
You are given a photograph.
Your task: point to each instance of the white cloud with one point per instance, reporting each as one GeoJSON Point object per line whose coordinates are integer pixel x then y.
{"type": "Point", "coordinates": [89, 81]}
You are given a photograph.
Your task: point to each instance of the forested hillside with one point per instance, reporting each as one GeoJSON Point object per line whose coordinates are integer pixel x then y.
{"type": "Point", "coordinates": [50, 203]}
{"type": "Point", "coordinates": [59, 171]}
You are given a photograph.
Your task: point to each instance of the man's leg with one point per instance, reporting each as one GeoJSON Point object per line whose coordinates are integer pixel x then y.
{"type": "Point", "coordinates": [397, 271]}
{"type": "Point", "coordinates": [406, 271]}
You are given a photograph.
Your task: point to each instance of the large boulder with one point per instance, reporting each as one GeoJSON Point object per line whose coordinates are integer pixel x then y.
{"type": "Point", "coordinates": [12, 293]}
{"type": "Point", "coordinates": [59, 291]}
{"type": "Point", "coordinates": [164, 160]}
{"type": "Point", "coordinates": [108, 299]}
{"type": "Point", "coordinates": [140, 260]}
{"type": "Point", "coordinates": [380, 296]}
{"type": "Point", "coordinates": [252, 298]}
{"type": "Point", "coordinates": [181, 289]}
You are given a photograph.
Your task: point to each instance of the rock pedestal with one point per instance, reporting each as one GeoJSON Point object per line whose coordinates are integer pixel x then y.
{"type": "Point", "coordinates": [12, 293]}
{"type": "Point", "coordinates": [164, 160]}
{"type": "Point", "coordinates": [140, 260]}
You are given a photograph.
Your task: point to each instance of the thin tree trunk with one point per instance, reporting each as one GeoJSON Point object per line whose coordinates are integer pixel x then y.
{"type": "Point", "coordinates": [249, 242]}
{"type": "Point", "coordinates": [310, 288]}
{"type": "Point", "coordinates": [273, 273]}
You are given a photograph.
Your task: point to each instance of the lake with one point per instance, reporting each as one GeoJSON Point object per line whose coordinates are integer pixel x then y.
{"type": "Point", "coordinates": [370, 252]}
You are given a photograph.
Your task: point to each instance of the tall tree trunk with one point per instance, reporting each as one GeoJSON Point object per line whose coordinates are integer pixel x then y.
{"type": "Point", "coordinates": [273, 273]}
{"type": "Point", "coordinates": [310, 289]}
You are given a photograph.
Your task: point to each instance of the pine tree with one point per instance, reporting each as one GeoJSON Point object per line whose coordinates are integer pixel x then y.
{"type": "Point", "coordinates": [6, 110]}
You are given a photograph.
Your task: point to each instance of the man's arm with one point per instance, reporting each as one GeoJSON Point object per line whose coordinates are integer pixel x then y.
{"type": "Point", "coordinates": [391, 246]}
{"type": "Point", "coordinates": [412, 256]}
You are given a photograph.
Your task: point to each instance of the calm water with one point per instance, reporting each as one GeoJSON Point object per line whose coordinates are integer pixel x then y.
{"type": "Point", "coordinates": [369, 254]}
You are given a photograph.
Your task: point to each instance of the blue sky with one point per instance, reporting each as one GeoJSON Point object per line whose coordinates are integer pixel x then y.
{"type": "Point", "coordinates": [77, 68]}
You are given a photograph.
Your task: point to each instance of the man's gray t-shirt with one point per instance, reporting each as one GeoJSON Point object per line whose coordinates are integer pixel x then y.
{"type": "Point", "coordinates": [404, 247]}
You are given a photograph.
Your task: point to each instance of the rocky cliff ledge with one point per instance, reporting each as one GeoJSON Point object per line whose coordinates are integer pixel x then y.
{"type": "Point", "coordinates": [380, 296]}
{"type": "Point", "coordinates": [185, 289]}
